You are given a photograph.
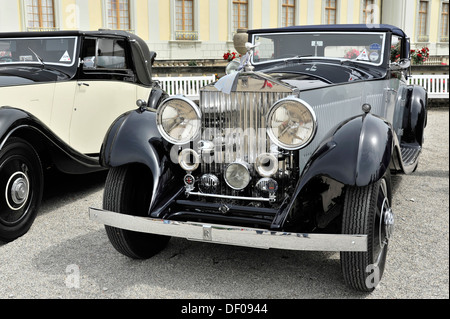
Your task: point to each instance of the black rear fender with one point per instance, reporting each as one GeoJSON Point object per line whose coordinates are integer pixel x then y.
{"type": "Point", "coordinates": [51, 149]}
{"type": "Point", "coordinates": [415, 116]}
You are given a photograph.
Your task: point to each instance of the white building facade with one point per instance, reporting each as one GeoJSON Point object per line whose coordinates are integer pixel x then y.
{"type": "Point", "coordinates": [204, 29]}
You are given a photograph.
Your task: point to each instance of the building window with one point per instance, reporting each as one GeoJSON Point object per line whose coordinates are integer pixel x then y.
{"type": "Point", "coordinates": [240, 14]}
{"type": "Point", "coordinates": [422, 26]}
{"type": "Point", "coordinates": [40, 15]}
{"type": "Point", "coordinates": [119, 14]}
{"type": "Point", "coordinates": [444, 22]}
{"type": "Point", "coordinates": [368, 11]}
{"type": "Point", "coordinates": [288, 13]}
{"type": "Point", "coordinates": [184, 13]}
{"type": "Point", "coordinates": [330, 11]}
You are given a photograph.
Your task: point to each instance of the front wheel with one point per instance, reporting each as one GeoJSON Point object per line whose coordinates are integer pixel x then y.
{"type": "Point", "coordinates": [128, 191]}
{"type": "Point", "coordinates": [367, 211]}
{"type": "Point", "coordinates": [21, 188]}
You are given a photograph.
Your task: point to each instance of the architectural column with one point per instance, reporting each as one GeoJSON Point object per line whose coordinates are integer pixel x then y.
{"type": "Point", "coordinates": [10, 19]}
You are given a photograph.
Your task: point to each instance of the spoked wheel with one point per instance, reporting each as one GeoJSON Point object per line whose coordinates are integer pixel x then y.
{"type": "Point", "coordinates": [21, 184]}
{"type": "Point", "coordinates": [128, 191]}
{"type": "Point", "coordinates": [367, 211]}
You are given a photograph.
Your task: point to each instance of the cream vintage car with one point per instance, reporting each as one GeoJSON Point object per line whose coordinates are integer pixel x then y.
{"type": "Point", "coordinates": [59, 94]}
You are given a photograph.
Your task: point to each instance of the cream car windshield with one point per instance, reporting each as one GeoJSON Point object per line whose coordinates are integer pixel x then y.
{"type": "Point", "coordinates": [361, 47]}
{"type": "Point", "coordinates": [49, 51]}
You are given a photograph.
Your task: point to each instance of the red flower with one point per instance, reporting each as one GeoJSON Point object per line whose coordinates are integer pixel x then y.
{"type": "Point", "coordinates": [229, 56]}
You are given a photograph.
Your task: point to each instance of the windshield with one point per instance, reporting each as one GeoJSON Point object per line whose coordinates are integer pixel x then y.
{"type": "Point", "coordinates": [55, 51]}
{"type": "Point", "coordinates": [364, 47]}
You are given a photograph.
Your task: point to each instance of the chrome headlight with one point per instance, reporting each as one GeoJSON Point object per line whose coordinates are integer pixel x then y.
{"type": "Point", "coordinates": [178, 120]}
{"type": "Point", "coordinates": [291, 123]}
{"type": "Point", "coordinates": [237, 175]}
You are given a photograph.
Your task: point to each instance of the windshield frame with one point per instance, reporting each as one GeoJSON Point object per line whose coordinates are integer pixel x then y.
{"type": "Point", "coordinates": [39, 63]}
{"type": "Point", "coordinates": [382, 51]}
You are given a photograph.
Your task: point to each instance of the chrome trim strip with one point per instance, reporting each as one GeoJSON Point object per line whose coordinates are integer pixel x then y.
{"type": "Point", "coordinates": [232, 235]}
{"type": "Point", "coordinates": [258, 199]}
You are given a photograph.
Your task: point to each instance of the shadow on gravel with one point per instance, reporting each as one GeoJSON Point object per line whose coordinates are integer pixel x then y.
{"type": "Point", "coordinates": [191, 269]}
{"type": "Point", "coordinates": [60, 189]}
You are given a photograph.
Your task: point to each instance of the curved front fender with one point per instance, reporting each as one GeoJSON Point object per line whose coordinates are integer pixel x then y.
{"type": "Point", "coordinates": [355, 153]}
{"type": "Point", "coordinates": [134, 138]}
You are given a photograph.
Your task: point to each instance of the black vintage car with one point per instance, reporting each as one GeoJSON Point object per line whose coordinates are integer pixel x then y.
{"type": "Point", "coordinates": [59, 93]}
{"type": "Point", "coordinates": [293, 150]}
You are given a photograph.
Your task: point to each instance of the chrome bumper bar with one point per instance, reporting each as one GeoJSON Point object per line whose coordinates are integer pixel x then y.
{"type": "Point", "coordinates": [231, 235]}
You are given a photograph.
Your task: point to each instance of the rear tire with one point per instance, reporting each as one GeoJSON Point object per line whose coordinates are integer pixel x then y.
{"type": "Point", "coordinates": [21, 188]}
{"type": "Point", "coordinates": [128, 191]}
{"type": "Point", "coordinates": [367, 211]}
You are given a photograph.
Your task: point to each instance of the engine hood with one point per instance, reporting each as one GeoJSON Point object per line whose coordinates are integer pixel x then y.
{"type": "Point", "coordinates": [251, 82]}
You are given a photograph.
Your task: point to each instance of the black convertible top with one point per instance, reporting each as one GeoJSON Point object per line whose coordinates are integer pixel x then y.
{"type": "Point", "coordinates": [143, 59]}
{"type": "Point", "coordinates": [32, 34]}
{"type": "Point", "coordinates": [335, 27]}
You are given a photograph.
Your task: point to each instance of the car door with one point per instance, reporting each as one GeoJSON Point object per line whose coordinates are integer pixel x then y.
{"type": "Point", "coordinates": [106, 89]}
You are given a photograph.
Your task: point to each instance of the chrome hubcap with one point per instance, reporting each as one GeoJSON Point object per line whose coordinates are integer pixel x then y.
{"type": "Point", "coordinates": [387, 220]}
{"type": "Point", "coordinates": [17, 190]}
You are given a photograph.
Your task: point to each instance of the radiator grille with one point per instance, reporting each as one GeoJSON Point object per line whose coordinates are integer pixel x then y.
{"type": "Point", "coordinates": [236, 123]}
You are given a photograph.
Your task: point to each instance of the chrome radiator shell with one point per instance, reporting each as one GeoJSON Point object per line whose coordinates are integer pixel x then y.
{"type": "Point", "coordinates": [236, 123]}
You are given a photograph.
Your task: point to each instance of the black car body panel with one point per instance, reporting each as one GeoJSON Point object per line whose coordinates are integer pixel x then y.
{"type": "Point", "coordinates": [355, 151]}
{"type": "Point", "coordinates": [293, 150]}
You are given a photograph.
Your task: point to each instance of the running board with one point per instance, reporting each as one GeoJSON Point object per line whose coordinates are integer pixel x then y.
{"type": "Point", "coordinates": [410, 154]}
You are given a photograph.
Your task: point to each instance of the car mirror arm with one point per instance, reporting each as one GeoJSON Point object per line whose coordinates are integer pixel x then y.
{"type": "Point", "coordinates": [401, 65]}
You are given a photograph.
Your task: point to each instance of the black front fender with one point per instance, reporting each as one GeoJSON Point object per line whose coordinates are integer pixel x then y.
{"type": "Point", "coordinates": [356, 153]}
{"type": "Point", "coordinates": [134, 139]}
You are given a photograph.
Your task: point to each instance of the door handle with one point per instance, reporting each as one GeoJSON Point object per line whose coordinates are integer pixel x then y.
{"type": "Point", "coordinates": [81, 84]}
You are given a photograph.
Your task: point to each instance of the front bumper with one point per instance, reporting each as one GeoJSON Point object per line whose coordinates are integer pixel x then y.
{"type": "Point", "coordinates": [231, 235]}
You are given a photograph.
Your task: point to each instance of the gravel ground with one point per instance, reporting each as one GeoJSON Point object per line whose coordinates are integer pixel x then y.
{"type": "Point", "coordinates": [67, 256]}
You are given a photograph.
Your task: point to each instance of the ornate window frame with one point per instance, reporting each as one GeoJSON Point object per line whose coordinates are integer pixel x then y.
{"type": "Point", "coordinates": [231, 31]}
{"type": "Point", "coordinates": [56, 16]}
{"type": "Point", "coordinates": [296, 13]}
{"type": "Point", "coordinates": [132, 13]}
{"type": "Point", "coordinates": [173, 22]}
{"type": "Point", "coordinates": [418, 37]}
{"type": "Point", "coordinates": [324, 11]}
